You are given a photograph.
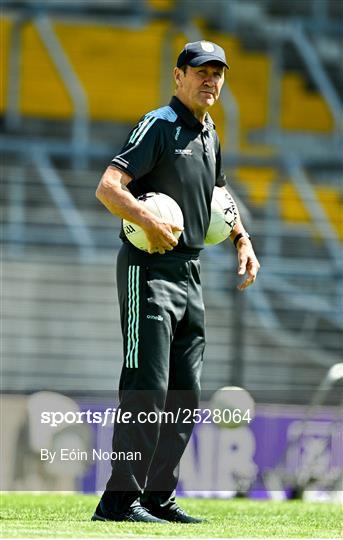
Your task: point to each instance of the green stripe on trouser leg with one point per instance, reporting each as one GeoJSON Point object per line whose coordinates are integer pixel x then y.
{"type": "Point", "coordinates": [133, 317]}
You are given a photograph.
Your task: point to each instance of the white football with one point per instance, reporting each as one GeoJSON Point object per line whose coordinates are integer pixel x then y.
{"type": "Point", "coordinates": [162, 206]}
{"type": "Point", "coordinates": [223, 217]}
{"type": "Point", "coordinates": [232, 407]}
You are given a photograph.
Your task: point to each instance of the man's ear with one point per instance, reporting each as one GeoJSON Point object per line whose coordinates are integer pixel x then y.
{"type": "Point", "coordinates": [178, 75]}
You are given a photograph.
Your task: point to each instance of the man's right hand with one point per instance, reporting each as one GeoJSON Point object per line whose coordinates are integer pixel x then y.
{"type": "Point", "coordinates": [160, 236]}
{"type": "Point", "coordinates": [113, 193]}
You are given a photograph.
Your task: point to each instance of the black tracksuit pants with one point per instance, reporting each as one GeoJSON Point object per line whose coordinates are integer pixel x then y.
{"type": "Point", "coordinates": [162, 319]}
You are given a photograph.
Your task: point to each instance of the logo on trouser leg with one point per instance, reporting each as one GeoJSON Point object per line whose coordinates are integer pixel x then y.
{"type": "Point", "coordinates": [155, 317]}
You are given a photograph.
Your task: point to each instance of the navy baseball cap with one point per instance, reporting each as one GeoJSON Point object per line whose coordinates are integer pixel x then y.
{"type": "Point", "coordinates": [199, 52]}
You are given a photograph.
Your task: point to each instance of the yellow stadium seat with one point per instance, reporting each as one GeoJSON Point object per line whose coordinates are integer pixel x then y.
{"type": "Point", "coordinates": [257, 182]}
{"type": "Point", "coordinates": [5, 29]}
{"type": "Point", "coordinates": [162, 5]}
{"type": "Point", "coordinates": [42, 93]}
{"type": "Point", "coordinates": [119, 67]}
{"type": "Point", "coordinates": [332, 202]}
{"type": "Point", "coordinates": [293, 209]}
{"type": "Point", "coordinates": [302, 109]}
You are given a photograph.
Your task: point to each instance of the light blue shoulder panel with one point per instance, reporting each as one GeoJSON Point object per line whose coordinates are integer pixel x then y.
{"type": "Point", "coordinates": [163, 113]}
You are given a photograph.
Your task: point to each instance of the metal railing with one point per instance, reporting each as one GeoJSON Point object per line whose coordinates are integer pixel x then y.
{"type": "Point", "coordinates": [80, 122]}
{"type": "Point", "coordinates": [77, 94]}
{"type": "Point", "coordinates": [280, 34]}
{"type": "Point", "coordinates": [70, 215]}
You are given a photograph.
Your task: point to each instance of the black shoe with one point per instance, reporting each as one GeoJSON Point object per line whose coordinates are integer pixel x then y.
{"type": "Point", "coordinates": [134, 513]}
{"type": "Point", "coordinates": [173, 513]}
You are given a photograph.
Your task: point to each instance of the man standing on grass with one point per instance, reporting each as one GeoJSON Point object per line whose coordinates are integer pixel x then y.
{"type": "Point", "coordinates": [174, 150]}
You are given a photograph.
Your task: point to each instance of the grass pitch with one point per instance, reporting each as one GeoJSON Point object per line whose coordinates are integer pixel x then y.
{"type": "Point", "coordinates": [68, 516]}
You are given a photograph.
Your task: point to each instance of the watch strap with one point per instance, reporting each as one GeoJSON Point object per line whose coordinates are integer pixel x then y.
{"type": "Point", "coordinates": [239, 236]}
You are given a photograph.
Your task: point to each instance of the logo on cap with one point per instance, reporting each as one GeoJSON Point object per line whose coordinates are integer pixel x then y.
{"type": "Point", "coordinates": [207, 46]}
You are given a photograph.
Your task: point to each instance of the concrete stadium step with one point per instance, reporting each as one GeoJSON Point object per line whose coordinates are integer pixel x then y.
{"type": "Point", "coordinates": [66, 315]}
{"type": "Point", "coordinates": [50, 216]}
{"type": "Point", "coordinates": [62, 328]}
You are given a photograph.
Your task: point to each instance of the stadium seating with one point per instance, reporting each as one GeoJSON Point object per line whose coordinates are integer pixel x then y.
{"type": "Point", "coordinates": [120, 71]}
{"type": "Point", "coordinates": [258, 182]}
{"type": "Point", "coordinates": [120, 87]}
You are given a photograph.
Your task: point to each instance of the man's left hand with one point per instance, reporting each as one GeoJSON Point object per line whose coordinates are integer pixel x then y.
{"type": "Point", "coordinates": [247, 263]}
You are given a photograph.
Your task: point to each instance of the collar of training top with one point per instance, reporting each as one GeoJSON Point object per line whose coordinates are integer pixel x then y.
{"type": "Point", "coordinates": [188, 117]}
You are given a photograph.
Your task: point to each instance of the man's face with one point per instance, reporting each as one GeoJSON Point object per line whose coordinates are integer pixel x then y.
{"type": "Point", "coordinates": [199, 87]}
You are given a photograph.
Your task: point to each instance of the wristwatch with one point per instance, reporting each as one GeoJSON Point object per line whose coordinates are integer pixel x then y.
{"type": "Point", "coordinates": [239, 236]}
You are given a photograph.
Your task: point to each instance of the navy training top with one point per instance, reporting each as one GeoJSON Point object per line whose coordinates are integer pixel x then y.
{"type": "Point", "coordinates": [171, 152]}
